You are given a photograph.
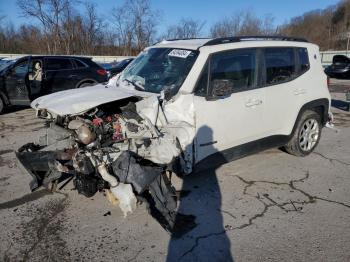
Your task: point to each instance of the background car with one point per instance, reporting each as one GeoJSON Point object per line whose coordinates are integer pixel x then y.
{"type": "Point", "coordinates": [5, 62]}
{"type": "Point", "coordinates": [340, 67]}
{"type": "Point", "coordinates": [29, 77]}
{"type": "Point", "coordinates": [118, 67]}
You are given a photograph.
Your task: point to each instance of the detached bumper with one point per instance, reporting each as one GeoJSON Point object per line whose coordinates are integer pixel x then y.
{"type": "Point", "coordinates": [40, 166]}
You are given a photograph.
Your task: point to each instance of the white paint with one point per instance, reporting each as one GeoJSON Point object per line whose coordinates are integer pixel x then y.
{"type": "Point", "coordinates": [77, 101]}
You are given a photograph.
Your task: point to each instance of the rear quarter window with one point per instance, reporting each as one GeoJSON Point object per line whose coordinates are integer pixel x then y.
{"type": "Point", "coordinates": [303, 57]}
{"type": "Point", "coordinates": [79, 64]}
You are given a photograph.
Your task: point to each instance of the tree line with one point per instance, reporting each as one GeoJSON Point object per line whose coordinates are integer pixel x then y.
{"type": "Point", "coordinates": [59, 27]}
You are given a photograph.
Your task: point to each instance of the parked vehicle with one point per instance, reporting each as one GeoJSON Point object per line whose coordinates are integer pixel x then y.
{"type": "Point", "coordinates": [181, 106]}
{"type": "Point", "coordinates": [29, 77]}
{"type": "Point", "coordinates": [340, 67]}
{"type": "Point", "coordinates": [4, 62]}
{"type": "Point", "coordinates": [118, 67]}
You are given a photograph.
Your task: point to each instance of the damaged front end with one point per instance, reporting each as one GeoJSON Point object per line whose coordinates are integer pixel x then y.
{"type": "Point", "coordinates": [126, 147]}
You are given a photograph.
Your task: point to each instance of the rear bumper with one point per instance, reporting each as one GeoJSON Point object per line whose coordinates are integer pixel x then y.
{"type": "Point", "coordinates": [341, 73]}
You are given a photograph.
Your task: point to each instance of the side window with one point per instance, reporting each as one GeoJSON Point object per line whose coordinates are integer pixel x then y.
{"type": "Point", "coordinates": [79, 64]}
{"type": "Point", "coordinates": [21, 69]}
{"type": "Point", "coordinates": [58, 64]}
{"type": "Point", "coordinates": [303, 57]}
{"type": "Point", "coordinates": [279, 64]}
{"type": "Point", "coordinates": [238, 67]}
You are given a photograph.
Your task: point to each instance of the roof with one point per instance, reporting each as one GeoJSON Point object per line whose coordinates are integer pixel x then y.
{"type": "Point", "coordinates": [60, 56]}
{"type": "Point", "coordinates": [196, 43]}
{"type": "Point", "coordinates": [192, 44]}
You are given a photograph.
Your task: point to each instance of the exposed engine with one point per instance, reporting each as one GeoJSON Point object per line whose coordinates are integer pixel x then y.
{"type": "Point", "coordinates": [110, 148]}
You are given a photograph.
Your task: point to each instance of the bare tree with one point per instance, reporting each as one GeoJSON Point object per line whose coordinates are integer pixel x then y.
{"type": "Point", "coordinates": [51, 15]}
{"type": "Point", "coordinates": [135, 23]}
{"type": "Point", "coordinates": [186, 28]}
{"type": "Point", "coordinates": [316, 26]}
{"type": "Point", "coordinates": [243, 23]}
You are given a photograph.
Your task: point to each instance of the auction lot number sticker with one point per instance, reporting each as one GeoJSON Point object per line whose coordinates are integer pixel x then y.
{"type": "Point", "coordinates": [179, 53]}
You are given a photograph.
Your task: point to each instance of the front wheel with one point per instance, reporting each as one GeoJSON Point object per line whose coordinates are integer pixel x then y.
{"type": "Point", "coordinates": [306, 135]}
{"type": "Point", "coordinates": [85, 84]}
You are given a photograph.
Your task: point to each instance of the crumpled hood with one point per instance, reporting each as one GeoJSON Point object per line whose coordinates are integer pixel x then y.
{"type": "Point", "coordinates": [76, 101]}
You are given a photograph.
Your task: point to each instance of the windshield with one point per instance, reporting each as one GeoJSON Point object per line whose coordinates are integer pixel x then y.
{"type": "Point", "coordinates": [158, 69]}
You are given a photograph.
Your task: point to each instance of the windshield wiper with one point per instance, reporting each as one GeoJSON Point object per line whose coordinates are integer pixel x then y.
{"type": "Point", "coordinates": [137, 86]}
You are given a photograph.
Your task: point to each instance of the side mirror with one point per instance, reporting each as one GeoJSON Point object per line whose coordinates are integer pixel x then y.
{"type": "Point", "coordinates": [220, 88]}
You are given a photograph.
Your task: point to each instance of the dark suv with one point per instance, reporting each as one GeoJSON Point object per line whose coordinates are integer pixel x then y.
{"type": "Point", "coordinates": [29, 77]}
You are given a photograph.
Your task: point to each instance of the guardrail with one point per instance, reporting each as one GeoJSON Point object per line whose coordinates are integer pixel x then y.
{"type": "Point", "coordinates": [326, 57]}
{"type": "Point", "coordinates": [98, 59]}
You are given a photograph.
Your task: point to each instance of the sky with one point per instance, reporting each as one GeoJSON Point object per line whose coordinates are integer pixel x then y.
{"type": "Point", "coordinates": [209, 11]}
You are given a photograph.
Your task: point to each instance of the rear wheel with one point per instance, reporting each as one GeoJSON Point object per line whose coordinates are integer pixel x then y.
{"type": "Point", "coordinates": [306, 135]}
{"type": "Point", "coordinates": [2, 105]}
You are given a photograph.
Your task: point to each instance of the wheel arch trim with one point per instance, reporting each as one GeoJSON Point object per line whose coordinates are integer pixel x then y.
{"type": "Point", "coordinates": [322, 102]}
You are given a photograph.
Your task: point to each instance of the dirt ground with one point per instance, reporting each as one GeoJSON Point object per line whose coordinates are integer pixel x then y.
{"type": "Point", "coordinates": [267, 207]}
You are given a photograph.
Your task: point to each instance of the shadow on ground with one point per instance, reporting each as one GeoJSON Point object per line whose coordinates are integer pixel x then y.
{"type": "Point", "coordinates": [200, 196]}
{"type": "Point", "coordinates": [13, 109]}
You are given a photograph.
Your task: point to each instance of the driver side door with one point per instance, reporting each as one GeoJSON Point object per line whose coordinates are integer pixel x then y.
{"type": "Point", "coordinates": [16, 83]}
{"type": "Point", "coordinates": [225, 124]}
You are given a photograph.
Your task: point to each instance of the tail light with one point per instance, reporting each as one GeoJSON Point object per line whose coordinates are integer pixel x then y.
{"type": "Point", "coordinates": [101, 72]}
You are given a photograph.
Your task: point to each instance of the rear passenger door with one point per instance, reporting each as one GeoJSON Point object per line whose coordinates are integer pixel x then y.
{"type": "Point", "coordinates": [234, 120]}
{"type": "Point", "coordinates": [80, 72]}
{"type": "Point", "coordinates": [283, 69]}
{"type": "Point", "coordinates": [57, 74]}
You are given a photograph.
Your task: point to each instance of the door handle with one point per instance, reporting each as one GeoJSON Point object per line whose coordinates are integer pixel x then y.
{"type": "Point", "coordinates": [254, 102]}
{"type": "Point", "coordinates": [299, 91]}
{"type": "Point", "coordinates": [72, 76]}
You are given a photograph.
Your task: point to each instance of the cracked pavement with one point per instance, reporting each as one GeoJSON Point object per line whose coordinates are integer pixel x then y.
{"type": "Point", "coordinates": [267, 207]}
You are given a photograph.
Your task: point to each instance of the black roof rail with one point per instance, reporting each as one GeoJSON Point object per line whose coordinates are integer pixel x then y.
{"type": "Point", "coordinates": [177, 39]}
{"type": "Point", "coordinates": [234, 39]}
{"type": "Point", "coordinates": [190, 38]}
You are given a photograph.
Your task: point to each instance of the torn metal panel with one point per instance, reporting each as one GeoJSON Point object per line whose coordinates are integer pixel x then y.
{"type": "Point", "coordinates": [130, 169]}
{"type": "Point", "coordinates": [42, 166]}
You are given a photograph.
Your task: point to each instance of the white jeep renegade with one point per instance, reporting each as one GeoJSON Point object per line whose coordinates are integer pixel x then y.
{"type": "Point", "coordinates": [181, 104]}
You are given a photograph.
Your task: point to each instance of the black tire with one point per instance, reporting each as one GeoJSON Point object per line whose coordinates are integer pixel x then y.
{"type": "Point", "coordinates": [85, 84]}
{"type": "Point", "coordinates": [303, 140]}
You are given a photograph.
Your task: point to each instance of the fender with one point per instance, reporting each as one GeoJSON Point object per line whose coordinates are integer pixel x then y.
{"type": "Point", "coordinates": [322, 104]}
{"type": "Point", "coordinates": [86, 80]}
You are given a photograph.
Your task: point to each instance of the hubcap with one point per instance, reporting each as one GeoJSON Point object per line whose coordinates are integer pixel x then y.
{"type": "Point", "coordinates": [308, 135]}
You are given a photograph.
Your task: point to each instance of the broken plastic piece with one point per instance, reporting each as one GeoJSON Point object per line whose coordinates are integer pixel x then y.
{"type": "Point", "coordinates": [127, 199]}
